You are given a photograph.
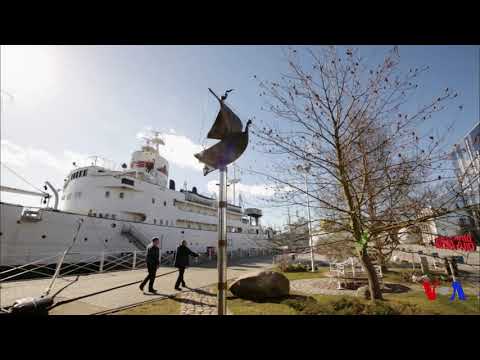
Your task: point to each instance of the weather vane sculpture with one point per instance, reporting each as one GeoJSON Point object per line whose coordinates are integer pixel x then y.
{"type": "Point", "coordinates": [233, 141]}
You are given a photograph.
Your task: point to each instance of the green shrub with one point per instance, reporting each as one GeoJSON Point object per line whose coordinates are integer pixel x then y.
{"type": "Point", "coordinates": [348, 306]}
{"type": "Point", "coordinates": [306, 306]}
{"type": "Point", "coordinates": [295, 268]}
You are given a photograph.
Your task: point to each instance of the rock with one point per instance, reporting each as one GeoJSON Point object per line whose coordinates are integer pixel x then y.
{"type": "Point", "coordinates": [363, 292]}
{"type": "Point", "coordinates": [261, 285]}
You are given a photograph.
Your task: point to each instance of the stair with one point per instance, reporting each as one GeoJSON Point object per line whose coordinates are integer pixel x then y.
{"type": "Point", "coordinates": [135, 237]}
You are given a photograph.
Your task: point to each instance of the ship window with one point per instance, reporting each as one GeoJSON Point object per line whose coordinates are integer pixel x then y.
{"type": "Point", "coordinates": [161, 221]}
{"type": "Point", "coordinates": [153, 201]}
{"type": "Point", "coordinates": [100, 215]}
{"type": "Point", "coordinates": [154, 221]}
{"type": "Point", "coordinates": [128, 182]}
{"type": "Point", "coordinates": [165, 203]}
{"type": "Point", "coordinates": [85, 172]}
{"type": "Point", "coordinates": [257, 231]}
{"type": "Point", "coordinates": [85, 239]}
{"type": "Point", "coordinates": [107, 194]}
{"type": "Point", "coordinates": [166, 222]}
{"type": "Point", "coordinates": [121, 195]}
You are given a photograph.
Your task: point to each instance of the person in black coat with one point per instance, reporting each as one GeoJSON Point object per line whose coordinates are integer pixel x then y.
{"type": "Point", "coordinates": [153, 261]}
{"type": "Point", "coordinates": [181, 262]}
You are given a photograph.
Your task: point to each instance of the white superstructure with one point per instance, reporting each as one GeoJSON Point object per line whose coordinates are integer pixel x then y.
{"type": "Point", "coordinates": [122, 211]}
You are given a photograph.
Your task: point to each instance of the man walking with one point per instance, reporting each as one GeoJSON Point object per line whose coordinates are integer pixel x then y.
{"type": "Point", "coordinates": [152, 264]}
{"type": "Point", "coordinates": [181, 262]}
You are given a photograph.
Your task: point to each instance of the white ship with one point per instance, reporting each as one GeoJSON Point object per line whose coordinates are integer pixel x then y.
{"type": "Point", "coordinates": [121, 211]}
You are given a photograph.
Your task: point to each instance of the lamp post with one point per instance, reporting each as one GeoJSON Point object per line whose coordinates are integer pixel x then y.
{"type": "Point", "coordinates": [305, 170]}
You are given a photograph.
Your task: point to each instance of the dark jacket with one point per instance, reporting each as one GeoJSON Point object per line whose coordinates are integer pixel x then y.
{"type": "Point", "coordinates": [181, 258]}
{"type": "Point", "coordinates": [153, 255]}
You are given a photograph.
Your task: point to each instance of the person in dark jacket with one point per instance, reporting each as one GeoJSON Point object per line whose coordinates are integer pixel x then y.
{"type": "Point", "coordinates": [153, 261]}
{"type": "Point", "coordinates": [181, 262]}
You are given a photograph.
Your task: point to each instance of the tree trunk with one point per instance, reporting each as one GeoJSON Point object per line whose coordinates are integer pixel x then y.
{"type": "Point", "coordinates": [381, 261]}
{"type": "Point", "coordinates": [373, 284]}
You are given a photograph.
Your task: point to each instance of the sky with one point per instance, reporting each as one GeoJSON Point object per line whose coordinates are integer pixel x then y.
{"type": "Point", "coordinates": [64, 103]}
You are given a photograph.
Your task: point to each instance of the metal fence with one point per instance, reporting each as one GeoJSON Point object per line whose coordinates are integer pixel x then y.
{"type": "Point", "coordinates": [90, 263]}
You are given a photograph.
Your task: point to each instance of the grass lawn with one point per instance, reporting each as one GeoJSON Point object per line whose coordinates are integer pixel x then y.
{"type": "Point", "coordinates": [412, 302]}
{"type": "Point", "coordinates": [160, 307]}
{"type": "Point", "coordinates": [440, 306]}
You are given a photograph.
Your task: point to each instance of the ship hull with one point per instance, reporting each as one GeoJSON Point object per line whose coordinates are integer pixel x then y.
{"type": "Point", "coordinates": [24, 241]}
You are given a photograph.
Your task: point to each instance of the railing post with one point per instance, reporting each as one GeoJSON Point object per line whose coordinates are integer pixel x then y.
{"type": "Point", "coordinates": [102, 259]}
{"type": "Point", "coordinates": [134, 259]}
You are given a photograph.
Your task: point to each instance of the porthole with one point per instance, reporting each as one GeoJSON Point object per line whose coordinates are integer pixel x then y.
{"type": "Point", "coordinates": [153, 201]}
{"type": "Point", "coordinates": [44, 236]}
{"type": "Point", "coordinates": [106, 240]}
{"type": "Point", "coordinates": [107, 194]}
{"type": "Point", "coordinates": [1, 233]}
{"type": "Point", "coordinates": [164, 203]}
{"type": "Point", "coordinates": [113, 225]}
{"type": "Point", "coordinates": [85, 239]}
{"type": "Point", "coordinates": [121, 195]}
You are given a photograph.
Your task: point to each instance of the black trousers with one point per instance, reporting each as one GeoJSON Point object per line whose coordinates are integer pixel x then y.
{"type": "Point", "coordinates": [181, 271]}
{"type": "Point", "coordinates": [152, 272]}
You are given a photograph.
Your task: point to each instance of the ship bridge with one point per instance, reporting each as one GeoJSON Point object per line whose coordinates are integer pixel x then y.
{"type": "Point", "coordinates": [253, 216]}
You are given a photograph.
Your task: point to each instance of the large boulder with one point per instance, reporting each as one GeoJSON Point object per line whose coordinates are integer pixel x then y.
{"type": "Point", "coordinates": [261, 285]}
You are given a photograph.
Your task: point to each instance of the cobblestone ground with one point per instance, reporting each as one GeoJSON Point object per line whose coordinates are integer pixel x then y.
{"type": "Point", "coordinates": [199, 302]}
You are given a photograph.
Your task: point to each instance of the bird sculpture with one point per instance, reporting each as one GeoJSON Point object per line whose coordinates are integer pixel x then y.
{"type": "Point", "coordinates": [225, 152]}
{"type": "Point", "coordinates": [227, 128]}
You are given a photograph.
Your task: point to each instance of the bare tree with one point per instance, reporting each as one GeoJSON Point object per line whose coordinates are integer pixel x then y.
{"type": "Point", "coordinates": [371, 171]}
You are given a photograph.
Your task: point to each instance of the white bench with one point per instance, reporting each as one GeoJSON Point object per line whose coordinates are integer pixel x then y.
{"type": "Point", "coordinates": [351, 271]}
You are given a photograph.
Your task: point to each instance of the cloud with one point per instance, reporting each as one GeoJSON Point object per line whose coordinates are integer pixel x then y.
{"type": "Point", "coordinates": [18, 156]}
{"type": "Point", "coordinates": [178, 149]}
{"type": "Point", "coordinates": [246, 190]}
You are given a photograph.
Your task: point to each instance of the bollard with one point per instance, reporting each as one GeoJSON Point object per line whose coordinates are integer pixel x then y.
{"type": "Point", "coordinates": [102, 259]}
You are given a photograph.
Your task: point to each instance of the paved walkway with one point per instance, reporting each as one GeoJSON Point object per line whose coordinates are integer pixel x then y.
{"type": "Point", "coordinates": [196, 277]}
{"type": "Point", "coordinates": [325, 286]}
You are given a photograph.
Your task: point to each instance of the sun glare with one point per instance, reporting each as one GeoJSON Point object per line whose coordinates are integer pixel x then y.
{"type": "Point", "coordinates": [27, 68]}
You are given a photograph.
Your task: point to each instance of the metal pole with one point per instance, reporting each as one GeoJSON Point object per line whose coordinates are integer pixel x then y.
{"type": "Point", "coordinates": [222, 243]}
{"type": "Point", "coordinates": [309, 226]}
{"type": "Point", "coordinates": [234, 178]}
